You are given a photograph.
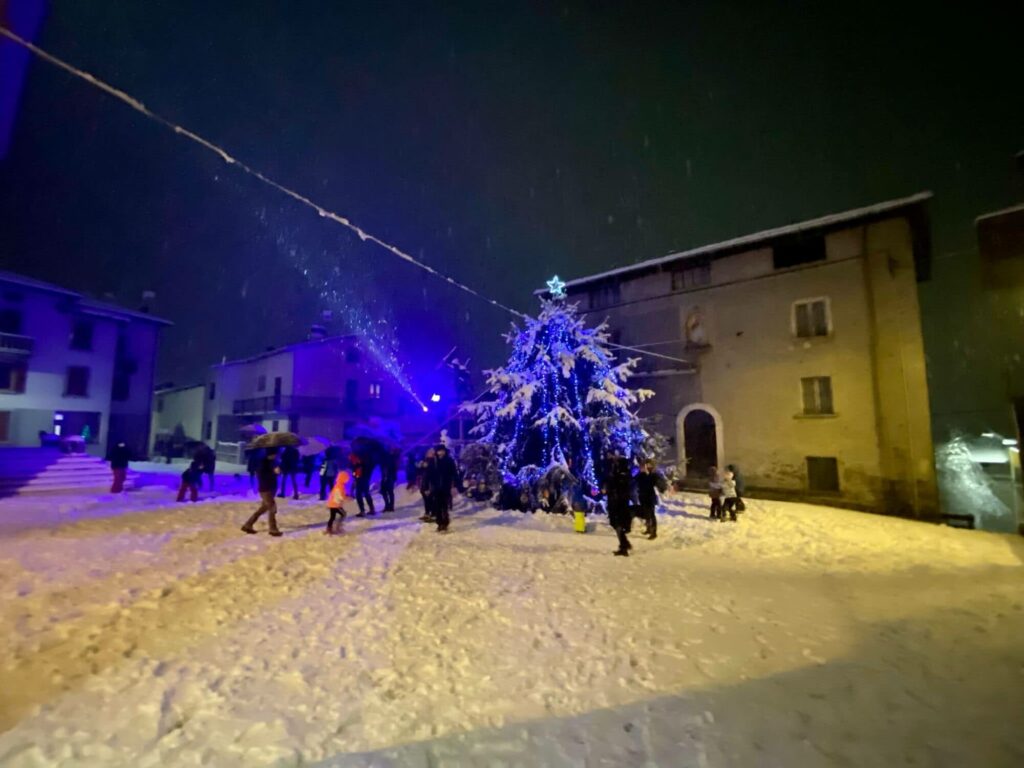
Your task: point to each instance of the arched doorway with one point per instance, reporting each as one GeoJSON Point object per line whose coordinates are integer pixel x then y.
{"type": "Point", "coordinates": [699, 437]}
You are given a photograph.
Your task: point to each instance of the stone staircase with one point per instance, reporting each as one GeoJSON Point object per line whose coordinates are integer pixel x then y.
{"type": "Point", "coordinates": [37, 470]}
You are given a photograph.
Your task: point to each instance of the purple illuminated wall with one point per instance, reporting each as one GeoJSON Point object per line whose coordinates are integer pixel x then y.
{"type": "Point", "coordinates": [24, 18]}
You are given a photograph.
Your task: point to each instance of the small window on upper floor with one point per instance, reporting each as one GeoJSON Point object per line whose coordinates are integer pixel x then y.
{"type": "Point", "coordinates": [261, 383]}
{"type": "Point", "coordinates": [375, 391]}
{"type": "Point", "coordinates": [76, 384]}
{"type": "Point", "coordinates": [81, 334]}
{"type": "Point", "coordinates": [12, 378]}
{"type": "Point", "coordinates": [605, 296]}
{"type": "Point", "coordinates": [695, 276]}
{"type": "Point", "coordinates": [352, 355]}
{"type": "Point", "coordinates": [811, 317]}
{"type": "Point", "coordinates": [798, 250]}
{"type": "Point", "coordinates": [213, 390]}
{"type": "Point", "coordinates": [816, 392]}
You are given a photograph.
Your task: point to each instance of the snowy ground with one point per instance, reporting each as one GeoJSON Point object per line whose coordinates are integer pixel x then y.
{"type": "Point", "coordinates": [149, 634]}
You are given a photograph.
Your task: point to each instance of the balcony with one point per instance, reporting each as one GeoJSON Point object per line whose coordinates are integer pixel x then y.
{"type": "Point", "coordinates": [293, 404]}
{"type": "Point", "coordinates": [16, 344]}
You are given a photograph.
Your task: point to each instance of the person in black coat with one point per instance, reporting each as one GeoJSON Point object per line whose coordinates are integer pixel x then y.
{"type": "Point", "coordinates": [207, 459]}
{"type": "Point", "coordinates": [647, 495]}
{"type": "Point", "coordinates": [119, 456]}
{"type": "Point", "coordinates": [290, 468]}
{"type": "Point", "coordinates": [618, 490]}
{"type": "Point", "coordinates": [442, 477]}
{"type": "Point", "coordinates": [267, 476]}
{"type": "Point", "coordinates": [388, 478]}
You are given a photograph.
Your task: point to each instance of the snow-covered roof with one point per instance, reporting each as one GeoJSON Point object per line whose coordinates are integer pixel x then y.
{"type": "Point", "coordinates": [112, 310]}
{"type": "Point", "coordinates": [282, 350]}
{"type": "Point", "coordinates": [1003, 212]}
{"type": "Point", "coordinates": [30, 282]}
{"type": "Point", "coordinates": [89, 305]}
{"type": "Point", "coordinates": [823, 222]}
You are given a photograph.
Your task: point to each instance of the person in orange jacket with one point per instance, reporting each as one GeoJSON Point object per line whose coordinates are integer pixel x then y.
{"type": "Point", "coordinates": [335, 501]}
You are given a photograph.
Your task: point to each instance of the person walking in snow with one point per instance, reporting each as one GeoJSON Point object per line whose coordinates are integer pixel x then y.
{"type": "Point", "coordinates": [308, 464]}
{"type": "Point", "coordinates": [741, 487]}
{"type": "Point", "coordinates": [411, 471]}
{"type": "Point", "coordinates": [442, 477]}
{"type": "Point", "coordinates": [423, 468]}
{"type": "Point", "coordinates": [328, 471]}
{"type": "Point", "coordinates": [335, 503]}
{"type": "Point", "coordinates": [119, 456]}
{"type": "Point", "coordinates": [715, 492]}
{"type": "Point", "coordinates": [190, 480]}
{"type": "Point", "coordinates": [729, 495]}
{"type": "Point", "coordinates": [618, 492]}
{"type": "Point", "coordinates": [207, 459]}
{"type": "Point", "coordinates": [388, 478]}
{"type": "Point", "coordinates": [361, 475]}
{"type": "Point", "coordinates": [267, 477]}
{"type": "Point", "coordinates": [290, 469]}
{"type": "Point", "coordinates": [647, 495]}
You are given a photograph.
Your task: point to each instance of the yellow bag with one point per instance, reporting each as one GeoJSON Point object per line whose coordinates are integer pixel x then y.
{"type": "Point", "coordinates": [579, 522]}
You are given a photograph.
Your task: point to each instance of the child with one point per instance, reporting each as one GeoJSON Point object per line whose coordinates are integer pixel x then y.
{"type": "Point", "coordinates": [190, 481]}
{"type": "Point", "coordinates": [335, 501]}
{"type": "Point", "coordinates": [729, 492]}
{"type": "Point", "coordinates": [715, 491]}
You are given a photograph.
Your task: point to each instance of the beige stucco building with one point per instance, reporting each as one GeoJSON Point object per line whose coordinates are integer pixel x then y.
{"type": "Point", "coordinates": [795, 353]}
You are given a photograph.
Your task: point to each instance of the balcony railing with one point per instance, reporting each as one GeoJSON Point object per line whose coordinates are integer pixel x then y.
{"type": "Point", "coordinates": [297, 404]}
{"type": "Point", "coordinates": [16, 344]}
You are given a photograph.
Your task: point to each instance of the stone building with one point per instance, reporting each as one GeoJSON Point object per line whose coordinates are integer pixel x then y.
{"type": "Point", "coordinates": [795, 353]}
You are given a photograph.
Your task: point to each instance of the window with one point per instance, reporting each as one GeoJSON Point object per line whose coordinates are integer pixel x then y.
{"type": "Point", "coordinates": [81, 335]}
{"type": "Point", "coordinates": [261, 383]}
{"type": "Point", "coordinates": [375, 391]}
{"type": "Point", "coordinates": [351, 355]}
{"type": "Point", "coordinates": [811, 317]}
{"type": "Point", "coordinates": [274, 425]}
{"type": "Point", "coordinates": [798, 250]}
{"type": "Point", "coordinates": [817, 395]}
{"type": "Point", "coordinates": [691, 277]}
{"type": "Point", "coordinates": [208, 431]}
{"type": "Point", "coordinates": [605, 296]}
{"type": "Point", "coordinates": [5, 426]}
{"type": "Point", "coordinates": [12, 378]}
{"type": "Point", "coordinates": [10, 321]}
{"type": "Point", "coordinates": [213, 390]}
{"type": "Point", "coordinates": [122, 387]}
{"type": "Point", "coordinates": [823, 474]}
{"type": "Point", "coordinates": [77, 382]}
{"type": "Point", "coordinates": [159, 405]}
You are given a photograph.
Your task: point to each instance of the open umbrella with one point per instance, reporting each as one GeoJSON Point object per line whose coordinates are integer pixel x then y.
{"type": "Point", "coordinates": [313, 446]}
{"type": "Point", "coordinates": [251, 430]}
{"type": "Point", "coordinates": [276, 440]}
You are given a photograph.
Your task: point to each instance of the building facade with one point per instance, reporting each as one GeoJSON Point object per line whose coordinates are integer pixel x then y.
{"type": "Point", "coordinates": [794, 353]}
{"type": "Point", "coordinates": [73, 366]}
{"type": "Point", "coordinates": [323, 386]}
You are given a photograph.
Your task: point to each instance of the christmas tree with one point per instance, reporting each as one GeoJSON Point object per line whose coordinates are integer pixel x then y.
{"type": "Point", "coordinates": [561, 400]}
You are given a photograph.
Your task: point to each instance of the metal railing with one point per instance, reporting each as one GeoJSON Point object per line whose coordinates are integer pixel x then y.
{"type": "Point", "coordinates": [16, 343]}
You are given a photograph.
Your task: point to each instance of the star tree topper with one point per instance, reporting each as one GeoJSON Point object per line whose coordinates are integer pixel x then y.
{"type": "Point", "coordinates": [556, 287]}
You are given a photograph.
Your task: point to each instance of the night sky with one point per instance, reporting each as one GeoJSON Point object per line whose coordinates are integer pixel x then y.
{"type": "Point", "coordinates": [500, 142]}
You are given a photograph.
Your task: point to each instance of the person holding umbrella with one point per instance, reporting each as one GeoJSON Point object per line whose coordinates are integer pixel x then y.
{"type": "Point", "coordinates": [267, 478]}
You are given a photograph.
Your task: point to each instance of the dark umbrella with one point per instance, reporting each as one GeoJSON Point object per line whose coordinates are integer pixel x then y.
{"type": "Point", "coordinates": [276, 440]}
